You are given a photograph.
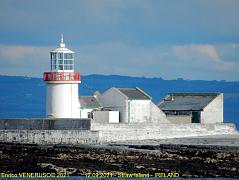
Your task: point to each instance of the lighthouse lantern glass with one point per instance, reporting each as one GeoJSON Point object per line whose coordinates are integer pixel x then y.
{"type": "Point", "coordinates": [62, 61]}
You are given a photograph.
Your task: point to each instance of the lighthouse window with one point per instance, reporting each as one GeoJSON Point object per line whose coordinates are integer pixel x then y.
{"type": "Point", "coordinates": [60, 67]}
{"type": "Point", "coordinates": [67, 56]}
{"type": "Point", "coordinates": [53, 56]}
{"type": "Point", "coordinates": [54, 67]}
{"type": "Point", "coordinates": [68, 62]}
{"type": "Point", "coordinates": [68, 67]}
{"type": "Point", "coordinates": [60, 56]}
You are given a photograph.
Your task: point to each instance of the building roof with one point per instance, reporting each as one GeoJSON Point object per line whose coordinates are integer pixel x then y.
{"type": "Point", "coordinates": [62, 50]}
{"type": "Point", "coordinates": [89, 102]}
{"type": "Point", "coordinates": [134, 93]}
{"type": "Point", "coordinates": [186, 101]}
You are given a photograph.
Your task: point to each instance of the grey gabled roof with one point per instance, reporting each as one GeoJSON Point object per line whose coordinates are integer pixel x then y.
{"type": "Point", "coordinates": [186, 101]}
{"type": "Point", "coordinates": [89, 102]}
{"type": "Point", "coordinates": [134, 93]}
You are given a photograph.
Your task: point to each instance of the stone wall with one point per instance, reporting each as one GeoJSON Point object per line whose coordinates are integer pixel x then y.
{"type": "Point", "coordinates": [101, 132]}
{"type": "Point", "coordinates": [121, 132]}
{"type": "Point", "coordinates": [45, 124]}
{"type": "Point", "coordinates": [50, 136]}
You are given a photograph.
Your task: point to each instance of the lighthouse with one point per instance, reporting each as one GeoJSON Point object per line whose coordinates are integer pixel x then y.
{"type": "Point", "coordinates": [62, 84]}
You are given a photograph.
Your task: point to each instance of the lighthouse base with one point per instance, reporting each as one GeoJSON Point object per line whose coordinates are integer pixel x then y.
{"type": "Point", "coordinates": [62, 100]}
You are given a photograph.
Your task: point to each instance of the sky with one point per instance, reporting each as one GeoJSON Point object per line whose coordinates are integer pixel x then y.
{"type": "Point", "coordinates": [190, 39]}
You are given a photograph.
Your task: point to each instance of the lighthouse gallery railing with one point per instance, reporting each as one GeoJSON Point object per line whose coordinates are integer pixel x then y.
{"type": "Point", "coordinates": [61, 76]}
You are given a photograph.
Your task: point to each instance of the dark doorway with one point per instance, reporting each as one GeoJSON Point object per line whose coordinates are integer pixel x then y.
{"type": "Point", "coordinates": [196, 116]}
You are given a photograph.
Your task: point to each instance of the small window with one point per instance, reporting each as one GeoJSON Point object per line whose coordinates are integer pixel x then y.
{"type": "Point", "coordinates": [60, 62]}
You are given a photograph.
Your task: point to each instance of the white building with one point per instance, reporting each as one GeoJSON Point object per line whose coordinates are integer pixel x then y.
{"type": "Point", "coordinates": [62, 85]}
{"type": "Point", "coordinates": [88, 104]}
{"type": "Point", "coordinates": [106, 117]}
{"type": "Point", "coordinates": [133, 104]}
{"type": "Point", "coordinates": [204, 108]}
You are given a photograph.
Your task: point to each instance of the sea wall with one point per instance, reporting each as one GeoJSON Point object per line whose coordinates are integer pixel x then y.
{"type": "Point", "coordinates": [47, 131]}
{"type": "Point", "coordinates": [121, 132]}
{"type": "Point", "coordinates": [45, 124]}
{"type": "Point", "coordinates": [50, 136]}
{"type": "Point", "coordinates": [85, 131]}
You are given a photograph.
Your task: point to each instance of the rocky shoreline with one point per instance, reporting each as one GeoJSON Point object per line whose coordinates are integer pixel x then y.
{"type": "Point", "coordinates": [115, 159]}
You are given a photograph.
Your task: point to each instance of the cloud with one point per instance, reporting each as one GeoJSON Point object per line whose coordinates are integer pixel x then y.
{"type": "Point", "coordinates": [24, 60]}
{"type": "Point", "coordinates": [234, 45]}
{"type": "Point", "coordinates": [167, 61]}
{"type": "Point", "coordinates": [207, 51]}
{"type": "Point", "coordinates": [17, 52]}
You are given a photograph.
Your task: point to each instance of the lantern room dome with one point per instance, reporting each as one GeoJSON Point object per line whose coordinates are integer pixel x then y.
{"type": "Point", "coordinates": [62, 48]}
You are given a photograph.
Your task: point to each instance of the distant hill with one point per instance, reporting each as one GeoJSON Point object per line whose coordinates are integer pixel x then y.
{"type": "Point", "coordinates": [25, 96]}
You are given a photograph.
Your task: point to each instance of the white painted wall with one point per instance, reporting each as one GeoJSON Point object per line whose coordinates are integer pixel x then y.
{"type": "Point", "coordinates": [157, 115]}
{"type": "Point", "coordinates": [115, 101]}
{"type": "Point", "coordinates": [84, 112]}
{"type": "Point", "coordinates": [106, 116]}
{"type": "Point", "coordinates": [213, 112]}
{"type": "Point", "coordinates": [62, 100]}
{"type": "Point", "coordinates": [139, 111]}
{"type": "Point", "coordinates": [177, 119]}
{"type": "Point", "coordinates": [113, 116]}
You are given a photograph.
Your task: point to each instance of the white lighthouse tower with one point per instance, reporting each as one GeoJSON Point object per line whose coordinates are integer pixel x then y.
{"type": "Point", "coordinates": [62, 84]}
